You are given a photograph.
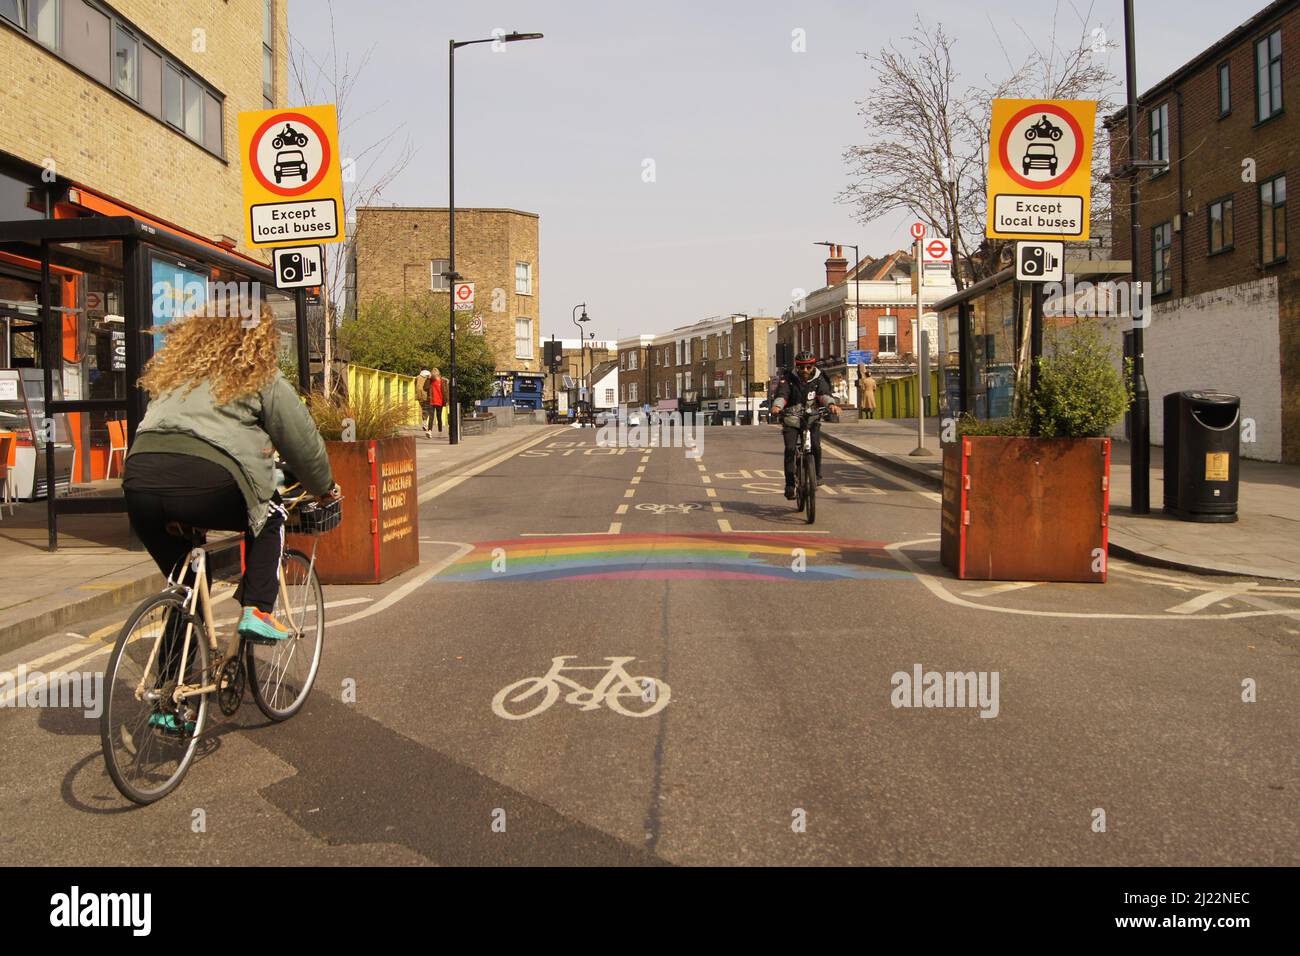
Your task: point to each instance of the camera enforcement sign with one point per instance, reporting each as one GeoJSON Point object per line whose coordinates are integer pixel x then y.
{"type": "Point", "coordinates": [293, 190]}
{"type": "Point", "coordinates": [1040, 169]}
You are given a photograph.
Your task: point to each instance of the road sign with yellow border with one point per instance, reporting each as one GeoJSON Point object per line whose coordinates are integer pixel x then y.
{"type": "Point", "coordinates": [293, 188]}
{"type": "Point", "coordinates": [1040, 169]}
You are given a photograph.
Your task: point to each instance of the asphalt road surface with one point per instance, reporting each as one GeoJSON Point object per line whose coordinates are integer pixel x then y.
{"type": "Point", "coordinates": [639, 656]}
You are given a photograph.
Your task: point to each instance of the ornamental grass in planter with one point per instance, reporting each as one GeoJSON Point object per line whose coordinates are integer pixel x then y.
{"type": "Point", "coordinates": [1028, 498]}
{"type": "Point", "coordinates": [375, 466]}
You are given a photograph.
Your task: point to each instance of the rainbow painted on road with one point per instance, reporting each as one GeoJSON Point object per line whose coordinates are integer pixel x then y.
{"type": "Point", "coordinates": [663, 557]}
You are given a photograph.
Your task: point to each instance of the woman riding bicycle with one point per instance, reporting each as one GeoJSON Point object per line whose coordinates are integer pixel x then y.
{"type": "Point", "coordinates": [804, 385]}
{"type": "Point", "coordinates": [204, 455]}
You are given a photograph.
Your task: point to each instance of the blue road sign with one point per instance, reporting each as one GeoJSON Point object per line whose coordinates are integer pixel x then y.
{"type": "Point", "coordinates": [860, 356]}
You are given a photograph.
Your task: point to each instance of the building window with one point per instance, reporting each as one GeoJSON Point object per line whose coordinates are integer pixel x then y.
{"type": "Point", "coordinates": [1159, 121]}
{"type": "Point", "coordinates": [1268, 76]}
{"type": "Point", "coordinates": [268, 54]}
{"type": "Point", "coordinates": [151, 72]}
{"type": "Point", "coordinates": [1272, 220]}
{"type": "Point", "coordinates": [609, 396]}
{"type": "Point", "coordinates": [1221, 225]}
{"type": "Point", "coordinates": [14, 11]}
{"type": "Point", "coordinates": [523, 338]}
{"type": "Point", "coordinates": [887, 340]}
{"type": "Point", "coordinates": [1162, 237]}
{"type": "Point", "coordinates": [523, 278]}
{"type": "Point", "coordinates": [631, 392]}
{"type": "Point", "coordinates": [86, 33]}
{"type": "Point", "coordinates": [126, 60]}
{"type": "Point", "coordinates": [1225, 90]}
{"type": "Point", "coordinates": [438, 281]}
{"type": "Point", "coordinates": [631, 361]}
{"type": "Point", "coordinates": [173, 96]}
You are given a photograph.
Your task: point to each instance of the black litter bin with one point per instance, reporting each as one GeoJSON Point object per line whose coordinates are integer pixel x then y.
{"type": "Point", "coordinates": [1202, 451]}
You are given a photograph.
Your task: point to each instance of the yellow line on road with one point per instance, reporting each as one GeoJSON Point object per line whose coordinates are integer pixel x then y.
{"type": "Point", "coordinates": [622, 510]}
{"type": "Point", "coordinates": [724, 524]}
{"type": "Point", "coordinates": [615, 527]}
{"type": "Point", "coordinates": [636, 481]}
{"type": "Point", "coordinates": [711, 492]}
{"type": "Point", "coordinates": [631, 492]}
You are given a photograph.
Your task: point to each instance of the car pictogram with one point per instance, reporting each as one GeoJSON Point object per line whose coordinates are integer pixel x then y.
{"type": "Point", "coordinates": [1039, 156]}
{"type": "Point", "coordinates": [290, 162]}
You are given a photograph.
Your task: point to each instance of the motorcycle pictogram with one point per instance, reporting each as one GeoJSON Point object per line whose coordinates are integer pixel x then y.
{"type": "Point", "coordinates": [289, 136]}
{"type": "Point", "coordinates": [1044, 129]}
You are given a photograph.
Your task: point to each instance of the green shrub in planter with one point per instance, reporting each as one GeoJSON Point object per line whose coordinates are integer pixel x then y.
{"type": "Point", "coordinates": [1080, 392]}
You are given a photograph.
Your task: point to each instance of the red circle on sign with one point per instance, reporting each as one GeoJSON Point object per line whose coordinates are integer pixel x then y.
{"type": "Point", "coordinates": [324, 154]}
{"type": "Point", "coordinates": [936, 249]}
{"type": "Point", "coordinates": [464, 292]}
{"type": "Point", "coordinates": [1009, 168]}
{"type": "Point", "coordinates": [918, 230]}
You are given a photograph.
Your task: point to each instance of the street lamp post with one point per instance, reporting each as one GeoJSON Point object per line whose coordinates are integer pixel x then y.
{"type": "Point", "coordinates": [748, 346]}
{"type": "Point", "coordinates": [582, 351]}
{"type": "Point", "coordinates": [453, 427]}
{"type": "Point", "coordinates": [1140, 437]}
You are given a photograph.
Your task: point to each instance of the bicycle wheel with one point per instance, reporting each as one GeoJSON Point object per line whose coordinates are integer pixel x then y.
{"type": "Point", "coordinates": [527, 688]}
{"type": "Point", "coordinates": [281, 675]}
{"type": "Point", "coordinates": [798, 483]}
{"type": "Point", "coordinates": [810, 483]}
{"type": "Point", "coordinates": [149, 741]}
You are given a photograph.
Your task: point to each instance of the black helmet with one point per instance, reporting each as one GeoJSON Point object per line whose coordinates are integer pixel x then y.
{"type": "Point", "coordinates": [805, 358]}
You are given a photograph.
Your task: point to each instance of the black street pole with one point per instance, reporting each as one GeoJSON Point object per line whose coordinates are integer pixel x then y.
{"type": "Point", "coordinates": [1140, 447]}
{"type": "Point", "coordinates": [453, 427]}
{"type": "Point", "coordinates": [582, 351]}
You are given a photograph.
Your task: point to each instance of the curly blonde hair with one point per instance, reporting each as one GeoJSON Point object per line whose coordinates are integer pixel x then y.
{"type": "Point", "coordinates": [235, 360]}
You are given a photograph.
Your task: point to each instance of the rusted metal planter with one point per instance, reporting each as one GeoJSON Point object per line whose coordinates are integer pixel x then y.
{"type": "Point", "coordinates": [1026, 509]}
{"type": "Point", "coordinates": [379, 536]}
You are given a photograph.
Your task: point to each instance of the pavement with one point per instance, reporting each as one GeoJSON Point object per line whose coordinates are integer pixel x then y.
{"type": "Point", "coordinates": [1264, 542]}
{"type": "Point", "coordinates": [94, 571]}
{"type": "Point", "coordinates": [641, 656]}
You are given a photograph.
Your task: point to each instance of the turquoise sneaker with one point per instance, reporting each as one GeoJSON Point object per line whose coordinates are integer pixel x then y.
{"type": "Point", "coordinates": [169, 724]}
{"type": "Point", "coordinates": [262, 628]}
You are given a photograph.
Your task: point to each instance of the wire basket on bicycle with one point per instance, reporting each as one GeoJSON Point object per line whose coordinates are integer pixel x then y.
{"type": "Point", "coordinates": [313, 517]}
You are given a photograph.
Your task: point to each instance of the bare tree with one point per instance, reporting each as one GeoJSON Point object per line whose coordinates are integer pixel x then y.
{"type": "Point", "coordinates": [367, 171]}
{"type": "Point", "coordinates": [927, 151]}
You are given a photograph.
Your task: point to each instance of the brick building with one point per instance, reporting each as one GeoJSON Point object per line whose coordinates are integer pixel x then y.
{"type": "Point", "coordinates": [1213, 226]}
{"type": "Point", "coordinates": [703, 364]}
{"type": "Point", "coordinates": [135, 105]}
{"type": "Point", "coordinates": [870, 307]}
{"type": "Point", "coordinates": [401, 251]}
{"type": "Point", "coordinates": [120, 120]}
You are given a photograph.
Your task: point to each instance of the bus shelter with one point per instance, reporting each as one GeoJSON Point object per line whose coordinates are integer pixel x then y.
{"type": "Point", "coordinates": [79, 300]}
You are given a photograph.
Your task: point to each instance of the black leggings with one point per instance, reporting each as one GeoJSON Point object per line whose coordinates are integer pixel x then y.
{"type": "Point", "coordinates": [222, 509]}
{"type": "Point", "coordinates": [791, 436]}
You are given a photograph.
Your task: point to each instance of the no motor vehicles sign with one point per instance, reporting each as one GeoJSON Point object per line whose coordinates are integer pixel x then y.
{"type": "Point", "coordinates": [1040, 169]}
{"type": "Point", "coordinates": [293, 189]}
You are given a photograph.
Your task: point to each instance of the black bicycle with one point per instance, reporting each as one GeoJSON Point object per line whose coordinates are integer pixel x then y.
{"type": "Point", "coordinates": [805, 464]}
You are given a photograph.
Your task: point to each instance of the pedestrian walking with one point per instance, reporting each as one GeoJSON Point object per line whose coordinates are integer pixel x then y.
{"type": "Point", "coordinates": [840, 389]}
{"type": "Point", "coordinates": [422, 395]}
{"type": "Point", "coordinates": [866, 394]}
{"type": "Point", "coordinates": [438, 399]}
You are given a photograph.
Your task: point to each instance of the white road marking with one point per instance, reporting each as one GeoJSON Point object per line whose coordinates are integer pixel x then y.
{"type": "Point", "coordinates": [887, 476]}
{"type": "Point", "coordinates": [1002, 588]}
{"type": "Point", "coordinates": [455, 480]}
{"type": "Point", "coordinates": [1202, 601]}
{"type": "Point", "coordinates": [706, 479]}
{"type": "Point", "coordinates": [615, 527]}
{"type": "Point", "coordinates": [717, 505]}
{"type": "Point", "coordinates": [933, 585]}
{"type": "Point", "coordinates": [630, 493]}
{"type": "Point", "coordinates": [621, 510]}
{"type": "Point", "coordinates": [640, 469]}
{"type": "Point", "coordinates": [462, 549]}
{"type": "Point", "coordinates": [636, 481]}
{"type": "Point", "coordinates": [724, 524]}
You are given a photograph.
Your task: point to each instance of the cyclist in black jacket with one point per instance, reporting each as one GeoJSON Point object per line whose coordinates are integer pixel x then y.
{"type": "Point", "coordinates": [803, 385]}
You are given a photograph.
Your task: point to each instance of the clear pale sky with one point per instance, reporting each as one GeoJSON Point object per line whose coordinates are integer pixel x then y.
{"type": "Point", "coordinates": [746, 135]}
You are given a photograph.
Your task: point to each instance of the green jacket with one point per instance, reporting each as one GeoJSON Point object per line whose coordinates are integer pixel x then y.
{"type": "Point", "coordinates": [242, 436]}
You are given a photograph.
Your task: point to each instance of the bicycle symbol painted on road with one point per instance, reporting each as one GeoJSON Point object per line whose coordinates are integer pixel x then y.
{"type": "Point", "coordinates": [618, 690]}
{"type": "Point", "coordinates": [682, 509]}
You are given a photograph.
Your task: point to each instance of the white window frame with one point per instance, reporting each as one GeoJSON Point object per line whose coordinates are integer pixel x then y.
{"type": "Point", "coordinates": [529, 353]}
{"type": "Point", "coordinates": [527, 282]}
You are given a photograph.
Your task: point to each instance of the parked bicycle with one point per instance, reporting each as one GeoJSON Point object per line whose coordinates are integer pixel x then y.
{"type": "Point", "coordinates": [168, 663]}
{"type": "Point", "coordinates": [805, 464]}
